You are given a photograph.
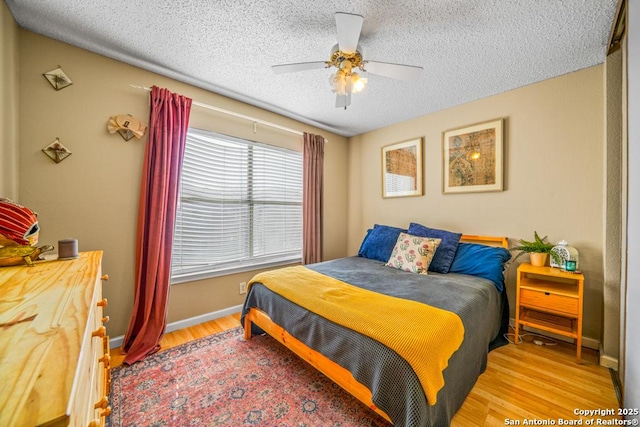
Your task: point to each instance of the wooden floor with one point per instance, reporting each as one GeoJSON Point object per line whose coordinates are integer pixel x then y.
{"type": "Point", "coordinates": [522, 382]}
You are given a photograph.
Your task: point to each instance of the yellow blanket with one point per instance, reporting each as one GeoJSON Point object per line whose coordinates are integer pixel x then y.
{"type": "Point", "coordinates": [423, 335]}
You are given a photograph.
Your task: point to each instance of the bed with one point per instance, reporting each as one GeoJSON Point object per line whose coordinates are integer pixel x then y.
{"type": "Point", "coordinates": [405, 389]}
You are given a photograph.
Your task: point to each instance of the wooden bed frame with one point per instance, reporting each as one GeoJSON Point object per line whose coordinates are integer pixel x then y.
{"type": "Point", "coordinates": [329, 368]}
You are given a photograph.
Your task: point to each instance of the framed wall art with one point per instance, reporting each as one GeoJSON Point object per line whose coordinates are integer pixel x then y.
{"type": "Point", "coordinates": [472, 158]}
{"type": "Point", "coordinates": [402, 169]}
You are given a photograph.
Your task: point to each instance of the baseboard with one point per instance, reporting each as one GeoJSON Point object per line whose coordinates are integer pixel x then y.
{"type": "Point", "coordinates": [185, 323]}
{"type": "Point", "coordinates": [608, 362]}
{"type": "Point", "coordinates": [116, 342]}
{"type": "Point", "coordinates": [617, 386]}
{"type": "Point", "coordinates": [588, 342]}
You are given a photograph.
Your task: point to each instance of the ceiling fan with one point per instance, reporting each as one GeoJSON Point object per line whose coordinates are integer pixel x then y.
{"type": "Point", "coordinates": [346, 57]}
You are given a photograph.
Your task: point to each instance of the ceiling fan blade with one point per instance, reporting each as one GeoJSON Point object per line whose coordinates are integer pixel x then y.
{"type": "Point", "coordinates": [395, 71]}
{"type": "Point", "coordinates": [343, 101]}
{"type": "Point", "coordinates": [349, 27]}
{"type": "Point", "coordinates": [301, 66]}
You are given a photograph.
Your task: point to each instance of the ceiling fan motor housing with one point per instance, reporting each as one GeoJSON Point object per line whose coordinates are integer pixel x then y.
{"type": "Point", "coordinates": [344, 60]}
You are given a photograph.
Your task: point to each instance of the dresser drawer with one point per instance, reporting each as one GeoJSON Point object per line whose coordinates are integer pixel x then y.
{"type": "Point", "coordinates": [546, 301]}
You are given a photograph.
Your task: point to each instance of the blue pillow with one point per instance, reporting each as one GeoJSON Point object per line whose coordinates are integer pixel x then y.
{"type": "Point", "coordinates": [379, 242]}
{"type": "Point", "coordinates": [481, 260]}
{"type": "Point", "coordinates": [366, 236]}
{"type": "Point", "coordinates": [441, 262]}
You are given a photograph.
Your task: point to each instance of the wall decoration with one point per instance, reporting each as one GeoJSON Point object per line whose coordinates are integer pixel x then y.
{"type": "Point", "coordinates": [57, 151]}
{"type": "Point", "coordinates": [472, 158]}
{"type": "Point", "coordinates": [127, 126]}
{"type": "Point", "coordinates": [58, 79]}
{"type": "Point", "coordinates": [402, 169]}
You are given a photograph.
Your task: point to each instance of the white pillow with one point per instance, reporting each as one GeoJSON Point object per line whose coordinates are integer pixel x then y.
{"type": "Point", "coordinates": [413, 253]}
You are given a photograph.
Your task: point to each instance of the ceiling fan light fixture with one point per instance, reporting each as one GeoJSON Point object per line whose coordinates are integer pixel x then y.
{"type": "Point", "coordinates": [342, 82]}
{"type": "Point", "coordinates": [346, 65]}
{"type": "Point", "coordinates": [357, 83]}
{"type": "Point", "coordinates": [338, 82]}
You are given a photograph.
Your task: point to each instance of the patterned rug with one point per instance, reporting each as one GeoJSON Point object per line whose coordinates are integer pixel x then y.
{"type": "Point", "coordinates": [223, 380]}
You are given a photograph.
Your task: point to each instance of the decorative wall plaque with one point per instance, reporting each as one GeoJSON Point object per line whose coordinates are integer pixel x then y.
{"type": "Point", "coordinates": [58, 79]}
{"type": "Point", "coordinates": [57, 151]}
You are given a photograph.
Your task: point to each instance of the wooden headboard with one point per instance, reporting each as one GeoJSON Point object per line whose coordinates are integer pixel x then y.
{"type": "Point", "coordinates": [486, 240]}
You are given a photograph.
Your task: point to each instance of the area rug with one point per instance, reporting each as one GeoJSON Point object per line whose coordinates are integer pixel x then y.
{"type": "Point", "coordinates": [223, 380]}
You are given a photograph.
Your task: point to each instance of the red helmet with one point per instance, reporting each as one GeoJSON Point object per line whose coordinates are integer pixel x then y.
{"type": "Point", "coordinates": [18, 223]}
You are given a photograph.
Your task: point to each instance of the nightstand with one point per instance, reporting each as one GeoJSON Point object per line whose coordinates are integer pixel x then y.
{"type": "Point", "coordinates": [550, 299]}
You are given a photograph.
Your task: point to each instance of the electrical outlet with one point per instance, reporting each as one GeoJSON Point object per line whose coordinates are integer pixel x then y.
{"type": "Point", "coordinates": [243, 287]}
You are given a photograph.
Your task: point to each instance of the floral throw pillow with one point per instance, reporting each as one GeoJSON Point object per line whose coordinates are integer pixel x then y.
{"type": "Point", "coordinates": [413, 253]}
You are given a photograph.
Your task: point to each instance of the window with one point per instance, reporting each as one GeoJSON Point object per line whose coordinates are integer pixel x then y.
{"type": "Point", "coordinates": [239, 207]}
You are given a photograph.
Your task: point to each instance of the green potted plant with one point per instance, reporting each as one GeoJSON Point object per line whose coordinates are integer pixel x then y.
{"type": "Point", "coordinates": [538, 249]}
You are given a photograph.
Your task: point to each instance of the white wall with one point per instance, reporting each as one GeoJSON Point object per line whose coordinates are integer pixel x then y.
{"type": "Point", "coordinates": [632, 346]}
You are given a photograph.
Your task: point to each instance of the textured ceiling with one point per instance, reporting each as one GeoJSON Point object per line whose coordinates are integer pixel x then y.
{"type": "Point", "coordinates": [469, 49]}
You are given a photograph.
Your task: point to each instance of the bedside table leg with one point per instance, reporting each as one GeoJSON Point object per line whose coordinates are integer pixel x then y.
{"type": "Point", "coordinates": [579, 326]}
{"type": "Point", "coordinates": [579, 349]}
{"type": "Point", "coordinates": [516, 325]}
{"type": "Point", "coordinates": [579, 362]}
{"type": "Point", "coordinates": [579, 334]}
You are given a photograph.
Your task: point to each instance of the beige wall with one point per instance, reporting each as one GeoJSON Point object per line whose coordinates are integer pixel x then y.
{"type": "Point", "coordinates": [93, 194]}
{"type": "Point", "coordinates": [631, 289]}
{"type": "Point", "coordinates": [9, 102]}
{"type": "Point", "coordinates": [612, 211]}
{"type": "Point", "coordinates": [553, 175]}
{"type": "Point", "coordinates": [554, 133]}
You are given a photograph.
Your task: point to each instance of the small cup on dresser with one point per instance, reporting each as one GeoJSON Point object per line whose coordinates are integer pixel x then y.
{"type": "Point", "coordinates": [68, 249]}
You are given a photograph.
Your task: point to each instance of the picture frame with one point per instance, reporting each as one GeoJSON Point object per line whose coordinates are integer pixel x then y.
{"type": "Point", "coordinates": [402, 169]}
{"type": "Point", "coordinates": [472, 158]}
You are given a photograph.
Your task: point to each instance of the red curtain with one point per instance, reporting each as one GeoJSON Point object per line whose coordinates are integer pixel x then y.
{"type": "Point", "coordinates": [163, 156]}
{"type": "Point", "coordinates": [312, 198]}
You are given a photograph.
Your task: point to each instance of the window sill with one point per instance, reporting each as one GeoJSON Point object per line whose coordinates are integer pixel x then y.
{"type": "Point", "coordinates": [192, 277]}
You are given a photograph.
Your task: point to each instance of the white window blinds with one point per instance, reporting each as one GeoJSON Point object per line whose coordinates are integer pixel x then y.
{"type": "Point", "coordinates": [239, 208]}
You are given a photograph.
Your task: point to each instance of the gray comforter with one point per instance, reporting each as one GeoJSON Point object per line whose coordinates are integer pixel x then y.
{"type": "Point", "coordinates": [395, 387]}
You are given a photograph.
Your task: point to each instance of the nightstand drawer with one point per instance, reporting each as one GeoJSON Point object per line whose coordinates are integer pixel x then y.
{"type": "Point", "coordinates": [546, 301]}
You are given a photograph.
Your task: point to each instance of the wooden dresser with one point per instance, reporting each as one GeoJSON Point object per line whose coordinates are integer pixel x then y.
{"type": "Point", "coordinates": [54, 350]}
